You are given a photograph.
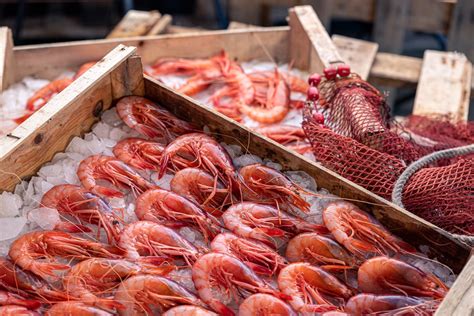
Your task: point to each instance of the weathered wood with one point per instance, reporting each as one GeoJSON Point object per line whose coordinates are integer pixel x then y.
{"type": "Point", "coordinates": [178, 29]}
{"type": "Point", "coordinates": [462, 25]}
{"type": "Point", "coordinates": [360, 55]}
{"type": "Point", "coordinates": [389, 25]}
{"type": "Point", "coordinates": [70, 113]}
{"type": "Point", "coordinates": [310, 45]}
{"type": "Point", "coordinates": [160, 26]}
{"type": "Point", "coordinates": [135, 23]}
{"type": "Point", "coordinates": [234, 25]}
{"type": "Point", "coordinates": [444, 86]}
{"type": "Point", "coordinates": [460, 298]}
{"type": "Point", "coordinates": [7, 75]}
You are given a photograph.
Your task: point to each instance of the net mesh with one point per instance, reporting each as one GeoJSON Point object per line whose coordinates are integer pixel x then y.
{"type": "Point", "coordinates": [361, 142]}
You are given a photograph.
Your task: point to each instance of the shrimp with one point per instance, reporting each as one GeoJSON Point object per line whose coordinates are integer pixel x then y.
{"type": "Point", "coordinates": [173, 210]}
{"type": "Point", "coordinates": [95, 275]}
{"type": "Point", "coordinates": [36, 251]}
{"type": "Point", "coordinates": [146, 238]}
{"type": "Point", "coordinates": [259, 257]}
{"type": "Point", "coordinates": [83, 68]}
{"type": "Point", "coordinates": [295, 83]}
{"type": "Point", "coordinates": [75, 308]}
{"type": "Point", "coordinates": [283, 134]}
{"type": "Point", "coordinates": [261, 222]}
{"type": "Point", "coordinates": [359, 233]}
{"type": "Point", "coordinates": [364, 304]}
{"type": "Point", "coordinates": [114, 171]}
{"type": "Point", "coordinates": [203, 189]}
{"type": "Point", "coordinates": [311, 288]}
{"type": "Point", "coordinates": [150, 120]}
{"type": "Point", "coordinates": [198, 150]}
{"type": "Point", "coordinates": [263, 305]}
{"type": "Point", "coordinates": [43, 95]}
{"type": "Point", "coordinates": [7, 298]}
{"type": "Point", "coordinates": [383, 275]}
{"type": "Point", "coordinates": [267, 185]}
{"type": "Point", "coordinates": [24, 283]}
{"type": "Point", "coordinates": [188, 310]}
{"type": "Point", "coordinates": [139, 153]}
{"type": "Point", "coordinates": [217, 274]}
{"type": "Point", "coordinates": [139, 294]}
{"type": "Point", "coordinates": [273, 101]}
{"type": "Point", "coordinates": [16, 310]}
{"type": "Point", "coordinates": [85, 207]}
{"type": "Point", "coordinates": [319, 250]}
{"type": "Point", "coordinates": [183, 66]}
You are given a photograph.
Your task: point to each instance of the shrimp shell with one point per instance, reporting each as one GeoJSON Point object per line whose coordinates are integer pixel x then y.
{"type": "Point", "coordinates": [188, 310]}
{"type": "Point", "coordinates": [15, 310]}
{"type": "Point", "coordinates": [363, 304]}
{"type": "Point", "coordinates": [139, 153]}
{"type": "Point", "coordinates": [75, 308]}
{"type": "Point", "coordinates": [263, 305]}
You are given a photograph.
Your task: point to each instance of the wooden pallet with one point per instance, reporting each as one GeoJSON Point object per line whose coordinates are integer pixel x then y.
{"type": "Point", "coordinates": [78, 107]}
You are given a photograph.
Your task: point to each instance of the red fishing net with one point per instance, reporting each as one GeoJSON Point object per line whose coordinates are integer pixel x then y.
{"type": "Point", "coordinates": [359, 140]}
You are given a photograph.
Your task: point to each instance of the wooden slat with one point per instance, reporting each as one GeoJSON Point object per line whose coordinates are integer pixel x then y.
{"type": "Point", "coordinates": [234, 25]}
{"type": "Point", "coordinates": [7, 75]}
{"type": "Point", "coordinates": [70, 113]}
{"type": "Point", "coordinates": [178, 29]}
{"type": "Point", "coordinates": [444, 85]}
{"type": "Point", "coordinates": [389, 25]}
{"type": "Point", "coordinates": [161, 26]}
{"type": "Point", "coordinates": [460, 298]}
{"type": "Point", "coordinates": [461, 37]}
{"type": "Point", "coordinates": [135, 23]}
{"type": "Point", "coordinates": [310, 45]}
{"type": "Point", "coordinates": [360, 55]}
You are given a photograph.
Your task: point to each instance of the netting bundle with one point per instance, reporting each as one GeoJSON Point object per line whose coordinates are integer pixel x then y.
{"type": "Point", "coordinates": [358, 139]}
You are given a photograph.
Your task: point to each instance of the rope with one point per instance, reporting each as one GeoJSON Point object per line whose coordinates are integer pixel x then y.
{"type": "Point", "coordinates": [423, 162]}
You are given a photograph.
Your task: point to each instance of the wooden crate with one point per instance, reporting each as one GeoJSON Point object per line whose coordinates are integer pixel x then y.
{"type": "Point", "coordinates": [78, 107]}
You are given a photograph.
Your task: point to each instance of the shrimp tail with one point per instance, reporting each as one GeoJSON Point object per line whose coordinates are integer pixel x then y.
{"type": "Point", "coordinates": [108, 192]}
{"type": "Point", "coordinates": [109, 304]}
{"type": "Point", "coordinates": [222, 309]}
{"type": "Point", "coordinates": [258, 268]}
{"type": "Point", "coordinates": [72, 228]}
{"type": "Point", "coordinates": [163, 165]}
{"type": "Point", "coordinates": [17, 300]}
{"type": "Point", "coordinates": [47, 270]}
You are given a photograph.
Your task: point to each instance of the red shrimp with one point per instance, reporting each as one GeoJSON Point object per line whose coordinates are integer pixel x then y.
{"type": "Point", "coordinates": [259, 257]}
{"type": "Point", "coordinates": [267, 185]}
{"type": "Point", "coordinates": [43, 95]}
{"type": "Point", "coordinates": [203, 189]}
{"type": "Point", "coordinates": [139, 153]}
{"type": "Point", "coordinates": [262, 222]}
{"type": "Point", "coordinates": [383, 275]}
{"type": "Point", "coordinates": [319, 250]}
{"type": "Point", "coordinates": [173, 210]}
{"type": "Point", "coordinates": [283, 134]}
{"type": "Point", "coordinates": [150, 120]}
{"type": "Point", "coordinates": [25, 283]}
{"type": "Point", "coordinates": [114, 171]}
{"type": "Point", "coordinates": [364, 304]}
{"type": "Point", "coordinates": [146, 238]}
{"type": "Point", "coordinates": [311, 288]}
{"type": "Point", "coordinates": [36, 251]}
{"type": "Point", "coordinates": [140, 294]}
{"type": "Point", "coordinates": [263, 305]}
{"type": "Point", "coordinates": [7, 298]}
{"type": "Point", "coordinates": [359, 233]}
{"type": "Point", "coordinates": [75, 308]}
{"type": "Point", "coordinates": [188, 310]}
{"type": "Point", "coordinates": [85, 207]}
{"type": "Point", "coordinates": [16, 310]}
{"type": "Point", "coordinates": [217, 274]}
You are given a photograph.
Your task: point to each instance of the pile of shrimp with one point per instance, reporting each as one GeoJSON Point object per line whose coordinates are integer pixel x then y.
{"type": "Point", "coordinates": [258, 256]}
{"type": "Point", "coordinates": [269, 101]}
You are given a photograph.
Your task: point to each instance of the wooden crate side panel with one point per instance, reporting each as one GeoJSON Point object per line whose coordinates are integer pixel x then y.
{"type": "Point", "coordinates": [47, 61]}
{"type": "Point", "coordinates": [7, 70]}
{"type": "Point", "coordinates": [413, 228]}
{"type": "Point", "coordinates": [70, 113]}
{"type": "Point", "coordinates": [444, 86]}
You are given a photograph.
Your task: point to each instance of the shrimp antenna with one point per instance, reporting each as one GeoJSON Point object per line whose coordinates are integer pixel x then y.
{"type": "Point", "coordinates": [265, 50]}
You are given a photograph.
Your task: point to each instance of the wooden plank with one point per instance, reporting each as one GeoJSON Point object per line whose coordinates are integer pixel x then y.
{"type": "Point", "coordinates": [7, 75]}
{"type": "Point", "coordinates": [234, 25]}
{"type": "Point", "coordinates": [389, 25]}
{"type": "Point", "coordinates": [178, 29]}
{"type": "Point", "coordinates": [412, 228]}
{"type": "Point", "coordinates": [444, 85]}
{"type": "Point", "coordinates": [135, 23]}
{"type": "Point", "coordinates": [310, 45]}
{"type": "Point", "coordinates": [460, 298]}
{"type": "Point", "coordinates": [160, 26]}
{"type": "Point", "coordinates": [360, 55]}
{"type": "Point", "coordinates": [462, 25]}
{"type": "Point", "coordinates": [395, 70]}
{"type": "Point", "coordinates": [70, 113]}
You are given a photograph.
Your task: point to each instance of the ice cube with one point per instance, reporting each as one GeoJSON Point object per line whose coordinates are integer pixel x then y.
{"type": "Point", "coordinates": [302, 179]}
{"type": "Point", "coordinates": [164, 182]}
{"type": "Point", "coordinates": [11, 227]}
{"type": "Point", "coordinates": [10, 204]}
{"type": "Point", "coordinates": [273, 165]}
{"type": "Point", "coordinates": [101, 130]}
{"type": "Point", "coordinates": [45, 217]}
{"type": "Point", "coordinates": [111, 118]}
{"type": "Point", "coordinates": [117, 134]}
{"type": "Point", "coordinates": [245, 160]}
{"type": "Point", "coordinates": [233, 150]}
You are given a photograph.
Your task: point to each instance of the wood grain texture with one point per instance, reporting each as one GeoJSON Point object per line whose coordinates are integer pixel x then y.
{"type": "Point", "coordinates": [400, 221]}
{"type": "Point", "coordinates": [390, 23]}
{"type": "Point", "coordinates": [461, 37]}
{"type": "Point", "coordinates": [70, 113]}
{"type": "Point", "coordinates": [360, 55]}
{"type": "Point", "coordinates": [7, 70]}
{"type": "Point", "coordinates": [310, 45]}
{"type": "Point", "coordinates": [460, 298]}
{"type": "Point", "coordinates": [444, 86]}
{"type": "Point", "coordinates": [135, 23]}
{"type": "Point", "coordinates": [161, 26]}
